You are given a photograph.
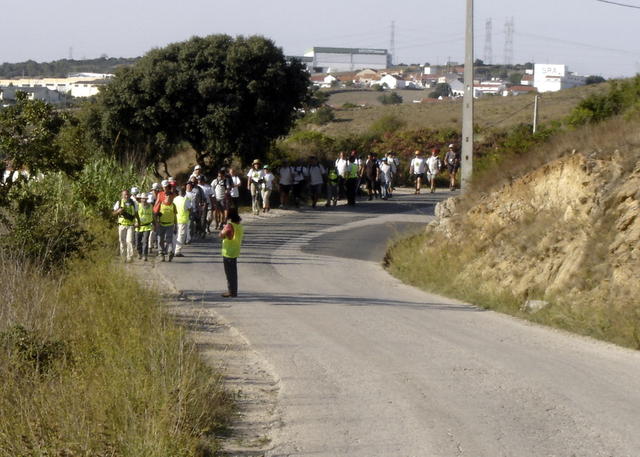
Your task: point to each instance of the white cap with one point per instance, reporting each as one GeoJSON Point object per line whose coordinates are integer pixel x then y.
{"type": "Point", "coordinates": [164, 183]}
{"type": "Point", "coordinates": [155, 186]}
{"type": "Point", "coordinates": [134, 190]}
{"type": "Point", "coordinates": [171, 178]}
{"type": "Point", "coordinates": [451, 145]}
{"type": "Point", "coordinates": [142, 195]}
{"type": "Point", "coordinates": [197, 167]}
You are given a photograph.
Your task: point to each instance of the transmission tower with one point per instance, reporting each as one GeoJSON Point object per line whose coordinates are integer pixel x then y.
{"type": "Point", "coordinates": [488, 48]}
{"type": "Point", "coordinates": [509, 29]}
{"type": "Point", "coordinates": [392, 44]}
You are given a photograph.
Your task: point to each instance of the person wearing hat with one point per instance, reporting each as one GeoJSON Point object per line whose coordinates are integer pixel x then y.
{"type": "Point", "coordinates": [183, 217]}
{"type": "Point", "coordinates": [221, 187]}
{"type": "Point", "coordinates": [197, 171]}
{"type": "Point", "coordinates": [166, 221]}
{"type": "Point", "coordinates": [266, 188]}
{"type": "Point", "coordinates": [452, 161]}
{"type": "Point", "coordinates": [417, 168]}
{"type": "Point", "coordinates": [207, 210]}
{"type": "Point", "coordinates": [231, 235]}
{"type": "Point", "coordinates": [144, 226]}
{"type": "Point", "coordinates": [255, 176]}
{"type": "Point", "coordinates": [127, 211]}
{"type": "Point", "coordinates": [434, 164]}
{"type": "Point", "coordinates": [386, 177]}
{"type": "Point", "coordinates": [351, 183]}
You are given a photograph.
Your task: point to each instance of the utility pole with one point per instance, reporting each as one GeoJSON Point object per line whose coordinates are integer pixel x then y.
{"type": "Point", "coordinates": [535, 113]}
{"type": "Point", "coordinates": [392, 43]}
{"type": "Point", "coordinates": [467, 103]}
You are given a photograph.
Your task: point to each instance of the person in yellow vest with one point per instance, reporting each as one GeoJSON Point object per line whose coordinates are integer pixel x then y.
{"type": "Point", "coordinates": [166, 220]}
{"type": "Point", "coordinates": [183, 217]}
{"type": "Point", "coordinates": [127, 211]}
{"type": "Point", "coordinates": [352, 180]}
{"type": "Point", "coordinates": [232, 235]}
{"type": "Point", "coordinates": [144, 226]}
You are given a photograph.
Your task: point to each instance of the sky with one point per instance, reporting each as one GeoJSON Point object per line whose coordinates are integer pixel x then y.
{"type": "Point", "coordinates": [590, 36]}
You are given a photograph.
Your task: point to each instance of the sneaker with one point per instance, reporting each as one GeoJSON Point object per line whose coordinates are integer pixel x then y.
{"type": "Point", "coordinates": [228, 295]}
{"type": "Point", "coordinates": [170, 256]}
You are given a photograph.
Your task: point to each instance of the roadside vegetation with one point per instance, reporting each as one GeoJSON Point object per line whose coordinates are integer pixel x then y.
{"type": "Point", "coordinates": [90, 362]}
{"type": "Point", "coordinates": [551, 217]}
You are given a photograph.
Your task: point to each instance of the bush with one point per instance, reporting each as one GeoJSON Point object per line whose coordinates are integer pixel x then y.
{"type": "Point", "coordinates": [377, 87]}
{"type": "Point", "coordinates": [320, 116]}
{"type": "Point", "coordinates": [387, 124]}
{"type": "Point", "coordinates": [390, 99]}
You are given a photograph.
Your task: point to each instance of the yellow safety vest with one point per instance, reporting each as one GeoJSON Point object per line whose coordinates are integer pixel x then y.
{"type": "Point", "coordinates": [167, 214]}
{"type": "Point", "coordinates": [231, 247]}
{"type": "Point", "coordinates": [145, 214]}
{"type": "Point", "coordinates": [128, 208]}
{"type": "Point", "coordinates": [353, 173]}
{"type": "Point", "coordinates": [183, 212]}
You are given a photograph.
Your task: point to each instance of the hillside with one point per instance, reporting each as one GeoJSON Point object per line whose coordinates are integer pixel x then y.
{"type": "Point", "coordinates": [499, 112]}
{"type": "Point", "coordinates": [62, 68]}
{"type": "Point", "coordinates": [567, 232]}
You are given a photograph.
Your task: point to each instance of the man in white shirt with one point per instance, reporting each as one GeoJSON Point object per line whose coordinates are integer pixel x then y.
{"type": "Point", "coordinates": [254, 179]}
{"type": "Point", "coordinates": [266, 188]}
{"type": "Point", "coordinates": [221, 188]}
{"type": "Point", "coordinates": [234, 192]}
{"type": "Point", "coordinates": [197, 171]}
{"type": "Point", "coordinates": [386, 176]}
{"type": "Point", "coordinates": [433, 168]}
{"type": "Point", "coordinates": [285, 182]}
{"type": "Point", "coordinates": [208, 198]}
{"type": "Point", "coordinates": [417, 168]}
{"type": "Point", "coordinates": [342, 167]}
{"type": "Point", "coordinates": [315, 173]}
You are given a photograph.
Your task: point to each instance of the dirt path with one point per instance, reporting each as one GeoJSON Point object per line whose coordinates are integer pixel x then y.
{"type": "Point", "coordinates": [352, 362]}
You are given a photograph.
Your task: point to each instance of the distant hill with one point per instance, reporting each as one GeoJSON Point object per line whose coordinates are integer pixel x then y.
{"type": "Point", "coordinates": [61, 68]}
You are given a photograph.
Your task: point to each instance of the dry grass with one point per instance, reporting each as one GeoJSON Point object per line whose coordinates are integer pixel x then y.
{"type": "Point", "coordinates": [499, 112]}
{"type": "Point", "coordinates": [92, 366]}
{"type": "Point", "coordinates": [492, 253]}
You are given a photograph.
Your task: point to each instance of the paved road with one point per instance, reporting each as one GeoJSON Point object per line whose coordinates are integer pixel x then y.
{"type": "Point", "coordinates": [370, 367]}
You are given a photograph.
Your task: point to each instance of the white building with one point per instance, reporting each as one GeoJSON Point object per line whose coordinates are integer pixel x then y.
{"type": "Point", "coordinates": [392, 82]}
{"type": "Point", "coordinates": [552, 78]}
{"type": "Point", "coordinates": [326, 60]}
{"type": "Point", "coordinates": [77, 85]}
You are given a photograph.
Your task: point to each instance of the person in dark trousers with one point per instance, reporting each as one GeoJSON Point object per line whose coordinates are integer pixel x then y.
{"type": "Point", "coordinates": [231, 235]}
{"type": "Point", "coordinates": [352, 181]}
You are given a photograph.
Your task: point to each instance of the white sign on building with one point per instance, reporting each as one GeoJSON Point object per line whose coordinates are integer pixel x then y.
{"type": "Point", "coordinates": [552, 78]}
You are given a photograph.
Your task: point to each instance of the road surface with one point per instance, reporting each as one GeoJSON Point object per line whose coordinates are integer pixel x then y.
{"type": "Point", "coordinates": [367, 366]}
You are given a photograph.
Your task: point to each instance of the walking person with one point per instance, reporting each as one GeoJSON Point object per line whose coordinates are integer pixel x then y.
{"type": "Point", "coordinates": [417, 168]}
{"type": "Point", "coordinates": [285, 182]}
{"type": "Point", "coordinates": [352, 181]}
{"type": "Point", "coordinates": [234, 192]}
{"type": "Point", "coordinates": [433, 168]}
{"type": "Point", "coordinates": [452, 161]}
{"type": "Point", "coordinates": [315, 172]}
{"type": "Point", "coordinates": [232, 235]}
{"type": "Point", "coordinates": [298, 183]}
{"type": "Point", "coordinates": [166, 220]}
{"type": "Point", "coordinates": [254, 179]}
{"type": "Point", "coordinates": [332, 187]}
{"type": "Point", "coordinates": [183, 217]}
{"type": "Point", "coordinates": [220, 198]}
{"type": "Point", "coordinates": [386, 178]}
{"type": "Point", "coordinates": [145, 224]}
{"type": "Point", "coordinates": [127, 211]}
{"type": "Point", "coordinates": [342, 167]}
{"type": "Point", "coordinates": [371, 175]}
{"type": "Point", "coordinates": [266, 188]}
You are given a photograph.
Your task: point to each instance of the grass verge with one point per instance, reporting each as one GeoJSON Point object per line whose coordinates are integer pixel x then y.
{"type": "Point", "coordinates": [92, 366]}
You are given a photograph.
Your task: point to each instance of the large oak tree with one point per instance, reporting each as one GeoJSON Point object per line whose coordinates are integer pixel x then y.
{"type": "Point", "coordinates": [225, 96]}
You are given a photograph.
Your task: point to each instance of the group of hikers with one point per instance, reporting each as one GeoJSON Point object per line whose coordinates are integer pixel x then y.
{"type": "Point", "coordinates": [169, 216]}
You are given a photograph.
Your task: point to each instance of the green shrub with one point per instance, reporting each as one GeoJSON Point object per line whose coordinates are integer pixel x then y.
{"type": "Point", "coordinates": [386, 124]}
{"type": "Point", "coordinates": [320, 116]}
{"type": "Point", "coordinates": [390, 99]}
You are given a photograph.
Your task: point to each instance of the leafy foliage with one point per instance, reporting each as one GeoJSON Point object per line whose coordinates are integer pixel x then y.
{"type": "Point", "coordinates": [622, 96]}
{"type": "Point", "coordinates": [62, 68]}
{"type": "Point", "coordinates": [441, 90]}
{"type": "Point", "coordinates": [390, 99]}
{"type": "Point", "coordinates": [321, 116]}
{"type": "Point", "coordinates": [225, 96]}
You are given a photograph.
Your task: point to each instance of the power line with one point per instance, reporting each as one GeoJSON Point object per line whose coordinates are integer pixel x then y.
{"type": "Point", "coordinates": [619, 4]}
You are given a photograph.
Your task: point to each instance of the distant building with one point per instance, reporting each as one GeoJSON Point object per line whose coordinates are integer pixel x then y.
{"type": "Point", "coordinates": [326, 60]}
{"type": "Point", "coordinates": [8, 94]}
{"type": "Point", "coordinates": [552, 78]}
{"type": "Point", "coordinates": [76, 85]}
{"type": "Point", "coordinates": [393, 82]}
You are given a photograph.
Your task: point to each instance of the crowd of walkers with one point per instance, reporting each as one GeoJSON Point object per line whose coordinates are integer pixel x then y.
{"type": "Point", "coordinates": [168, 216]}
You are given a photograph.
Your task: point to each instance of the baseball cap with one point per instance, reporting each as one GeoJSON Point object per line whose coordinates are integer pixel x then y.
{"type": "Point", "coordinates": [451, 145]}
{"type": "Point", "coordinates": [198, 167]}
{"type": "Point", "coordinates": [155, 186]}
{"type": "Point", "coordinates": [134, 190]}
{"type": "Point", "coordinates": [165, 183]}
{"type": "Point", "coordinates": [141, 196]}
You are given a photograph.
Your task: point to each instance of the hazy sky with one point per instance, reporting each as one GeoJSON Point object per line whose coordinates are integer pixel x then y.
{"type": "Point", "coordinates": [590, 36]}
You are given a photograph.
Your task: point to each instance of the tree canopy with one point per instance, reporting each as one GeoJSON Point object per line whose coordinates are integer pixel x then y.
{"type": "Point", "coordinates": [225, 96]}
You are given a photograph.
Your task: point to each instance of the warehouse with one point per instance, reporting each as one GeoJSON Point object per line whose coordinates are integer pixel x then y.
{"type": "Point", "coordinates": [326, 60]}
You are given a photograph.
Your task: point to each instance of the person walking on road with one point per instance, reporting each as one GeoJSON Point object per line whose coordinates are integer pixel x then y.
{"type": "Point", "coordinates": [332, 187]}
{"type": "Point", "coordinates": [166, 220]}
{"type": "Point", "coordinates": [221, 189]}
{"type": "Point", "coordinates": [342, 167]}
{"type": "Point", "coordinates": [232, 235]}
{"type": "Point", "coordinates": [433, 168]}
{"type": "Point", "coordinates": [145, 225]}
{"type": "Point", "coordinates": [266, 188]}
{"type": "Point", "coordinates": [127, 211]}
{"type": "Point", "coordinates": [316, 173]}
{"type": "Point", "coordinates": [183, 217]}
{"type": "Point", "coordinates": [352, 181]}
{"type": "Point", "coordinates": [417, 168]}
{"type": "Point", "coordinates": [371, 174]}
{"type": "Point", "coordinates": [234, 192]}
{"type": "Point", "coordinates": [386, 178]}
{"type": "Point", "coordinates": [254, 179]}
{"type": "Point", "coordinates": [285, 182]}
{"type": "Point", "coordinates": [452, 161]}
